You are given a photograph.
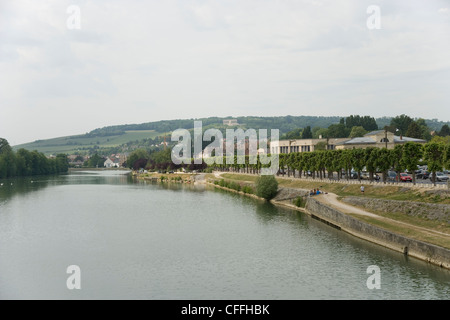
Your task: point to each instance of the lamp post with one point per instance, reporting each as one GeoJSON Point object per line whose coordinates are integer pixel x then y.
{"type": "Point", "coordinates": [385, 136]}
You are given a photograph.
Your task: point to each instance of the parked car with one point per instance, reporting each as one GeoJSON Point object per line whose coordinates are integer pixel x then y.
{"type": "Point", "coordinates": [392, 176]}
{"type": "Point", "coordinates": [353, 174]}
{"type": "Point", "coordinates": [441, 177]}
{"type": "Point", "coordinates": [404, 177]}
{"type": "Point", "coordinates": [422, 174]}
{"type": "Point", "coordinates": [366, 176]}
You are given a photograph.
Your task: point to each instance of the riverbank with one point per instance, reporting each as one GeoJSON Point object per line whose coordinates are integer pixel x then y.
{"type": "Point", "coordinates": [179, 177]}
{"type": "Point", "coordinates": [407, 234]}
{"type": "Point", "coordinates": [98, 169]}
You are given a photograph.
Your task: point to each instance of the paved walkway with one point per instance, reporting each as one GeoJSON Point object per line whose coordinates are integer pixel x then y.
{"type": "Point", "coordinates": [331, 200]}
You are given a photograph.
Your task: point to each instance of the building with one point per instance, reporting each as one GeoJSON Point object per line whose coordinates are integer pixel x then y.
{"type": "Point", "coordinates": [112, 163]}
{"type": "Point", "coordinates": [230, 122]}
{"type": "Point", "coordinates": [304, 145]}
{"type": "Point", "coordinates": [378, 139]}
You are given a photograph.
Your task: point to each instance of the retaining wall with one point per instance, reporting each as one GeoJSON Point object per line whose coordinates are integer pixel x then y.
{"type": "Point", "coordinates": [418, 249]}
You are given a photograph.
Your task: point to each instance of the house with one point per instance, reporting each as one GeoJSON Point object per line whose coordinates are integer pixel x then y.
{"type": "Point", "coordinates": [378, 139]}
{"type": "Point", "coordinates": [230, 122]}
{"type": "Point", "coordinates": [111, 163]}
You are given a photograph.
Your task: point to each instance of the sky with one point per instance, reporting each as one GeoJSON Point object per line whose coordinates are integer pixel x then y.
{"type": "Point", "coordinates": [68, 67]}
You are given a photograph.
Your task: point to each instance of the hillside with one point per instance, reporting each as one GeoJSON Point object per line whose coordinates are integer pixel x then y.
{"type": "Point", "coordinates": [125, 137]}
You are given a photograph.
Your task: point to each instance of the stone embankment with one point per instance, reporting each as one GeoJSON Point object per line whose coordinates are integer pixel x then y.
{"type": "Point", "coordinates": [431, 211]}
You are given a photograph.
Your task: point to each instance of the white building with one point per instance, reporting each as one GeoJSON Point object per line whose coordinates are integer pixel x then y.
{"type": "Point", "coordinates": [111, 163]}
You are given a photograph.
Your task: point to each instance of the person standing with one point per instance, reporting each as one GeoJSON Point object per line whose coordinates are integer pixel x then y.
{"type": "Point", "coordinates": [362, 189]}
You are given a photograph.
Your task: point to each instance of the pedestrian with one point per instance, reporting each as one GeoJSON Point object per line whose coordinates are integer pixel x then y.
{"type": "Point", "coordinates": [362, 189]}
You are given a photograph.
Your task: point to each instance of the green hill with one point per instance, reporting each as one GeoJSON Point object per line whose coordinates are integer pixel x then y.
{"type": "Point", "coordinates": [84, 144]}
{"type": "Point", "coordinates": [122, 138]}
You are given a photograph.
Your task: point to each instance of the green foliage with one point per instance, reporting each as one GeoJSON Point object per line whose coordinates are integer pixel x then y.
{"type": "Point", "coordinates": [357, 131]}
{"type": "Point", "coordinates": [338, 131]}
{"type": "Point", "coordinates": [137, 155]}
{"type": "Point", "coordinates": [306, 133]}
{"type": "Point", "coordinates": [96, 161]}
{"type": "Point", "coordinates": [248, 189]}
{"type": "Point", "coordinates": [293, 134]}
{"type": "Point", "coordinates": [445, 131]}
{"type": "Point", "coordinates": [366, 122]}
{"type": "Point", "coordinates": [299, 202]}
{"type": "Point", "coordinates": [414, 131]}
{"type": "Point", "coordinates": [401, 123]}
{"type": "Point", "coordinates": [434, 155]}
{"type": "Point", "coordinates": [266, 187]}
{"type": "Point", "coordinates": [321, 145]}
{"type": "Point", "coordinates": [26, 163]}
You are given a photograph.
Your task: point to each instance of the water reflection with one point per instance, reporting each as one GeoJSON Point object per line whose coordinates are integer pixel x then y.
{"type": "Point", "coordinates": [21, 186]}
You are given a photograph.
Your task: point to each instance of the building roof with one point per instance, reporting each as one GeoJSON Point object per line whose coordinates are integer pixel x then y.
{"type": "Point", "coordinates": [407, 139]}
{"type": "Point", "coordinates": [358, 140]}
{"type": "Point", "coordinates": [373, 133]}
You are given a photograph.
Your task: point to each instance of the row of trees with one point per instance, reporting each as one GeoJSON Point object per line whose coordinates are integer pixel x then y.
{"type": "Point", "coordinates": [158, 160]}
{"type": "Point", "coordinates": [357, 126]}
{"type": "Point", "coordinates": [28, 163]}
{"type": "Point", "coordinates": [325, 163]}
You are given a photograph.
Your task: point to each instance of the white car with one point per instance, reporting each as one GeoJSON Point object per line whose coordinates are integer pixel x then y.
{"type": "Point", "coordinates": [441, 177]}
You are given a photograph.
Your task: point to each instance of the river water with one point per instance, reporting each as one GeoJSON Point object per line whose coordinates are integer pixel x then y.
{"type": "Point", "coordinates": [137, 240]}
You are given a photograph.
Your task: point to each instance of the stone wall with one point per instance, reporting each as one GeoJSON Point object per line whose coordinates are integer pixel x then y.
{"type": "Point", "coordinates": [290, 193]}
{"type": "Point", "coordinates": [431, 211]}
{"type": "Point", "coordinates": [418, 249]}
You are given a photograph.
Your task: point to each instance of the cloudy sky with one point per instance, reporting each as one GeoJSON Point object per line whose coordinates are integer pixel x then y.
{"type": "Point", "coordinates": [138, 61]}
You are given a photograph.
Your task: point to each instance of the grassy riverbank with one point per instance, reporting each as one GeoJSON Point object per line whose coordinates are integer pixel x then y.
{"type": "Point", "coordinates": [420, 228]}
{"type": "Point", "coordinates": [381, 191]}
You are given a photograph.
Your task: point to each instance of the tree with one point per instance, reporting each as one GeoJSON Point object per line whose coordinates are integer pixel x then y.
{"type": "Point", "coordinates": [294, 134]}
{"type": "Point", "coordinates": [4, 146]}
{"type": "Point", "coordinates": [96, 161]}
{"type": "Point", "coordinates": [266, 187]}
{"type": "Point", "coordinates": [371, 155]}
{"type": "Point", "coordinates": [414, 131]}
{"type": "Point", "coordinates": [338, 131]}
{"type": "Point", "coordinates": [426, 134]}
{"type": "Point", "coordinates": [358, 160]}
{"type": "Point", "coordinates": [137, 155]}
{"type": "Point", "coordinates": [434, 155]}
{"type": "Point", "coordinates": [396, 156]}
{"type": "Point", "coordinates": [447, 157]}
{"type": "Point", "coordinates": [383, 161]}
{"type": "Point", "coordinates": [319, 132]}
{"type": "Point", "coordinates": [412, 153]}
{"type": "Point", "coordinates": [321, 145]}
{"type": "Point", "coordinates": [367, 123]}
{"type": "Point", "coordinates": [445, 131]}
{"type": "Point", "coordinates": [306, 133]}
{"type": "Point", "coordinates": [401, 123]}
{"type": "Point", "coordinates": [357, 132]}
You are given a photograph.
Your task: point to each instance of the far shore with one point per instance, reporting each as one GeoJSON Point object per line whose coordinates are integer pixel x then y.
{"type": "Point", "coordinates": [99, 169]}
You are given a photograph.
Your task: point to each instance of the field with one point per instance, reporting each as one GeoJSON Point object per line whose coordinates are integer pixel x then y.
{"type": "Point", "coordinates": [73, 144]}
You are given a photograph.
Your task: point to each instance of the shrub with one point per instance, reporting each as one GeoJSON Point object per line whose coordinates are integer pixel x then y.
{"type": "Point", "coordinates": [247, 189]}
{"type": "Point", "coordinates": [299, 202]}
{"type": "Point", "coordinates": [266, 187]}
{"type": "Point", "coordinates": [235, 186]}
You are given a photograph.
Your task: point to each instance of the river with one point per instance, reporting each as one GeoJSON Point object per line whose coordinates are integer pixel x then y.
{"type": "Point", "coordinates": [140, 240]}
